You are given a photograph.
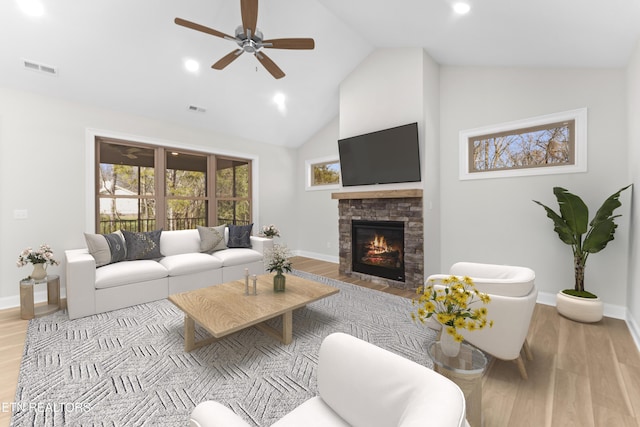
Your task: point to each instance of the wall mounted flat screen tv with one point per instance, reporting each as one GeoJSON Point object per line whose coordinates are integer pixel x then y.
{"type": "Point", "coordinates": [383, 157]}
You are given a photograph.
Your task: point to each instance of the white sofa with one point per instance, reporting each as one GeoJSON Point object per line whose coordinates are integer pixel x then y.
{"type": "Point", "coordinates": [183, 267]}
{"type": "Point", "coordinates": [362, 385]}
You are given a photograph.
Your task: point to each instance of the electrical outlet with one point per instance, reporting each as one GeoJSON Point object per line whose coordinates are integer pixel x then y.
{"type": "Point", "coordinates": [20, 214]}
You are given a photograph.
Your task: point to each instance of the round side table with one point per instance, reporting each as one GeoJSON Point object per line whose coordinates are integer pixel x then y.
{"type": "Point", "coordinates": [466, 371]}
{"type": "Point", "coordinates": [27, 308]}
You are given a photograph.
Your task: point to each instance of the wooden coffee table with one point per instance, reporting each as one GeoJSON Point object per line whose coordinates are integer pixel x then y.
{"type": "Point", "coordinates": [225, 309]}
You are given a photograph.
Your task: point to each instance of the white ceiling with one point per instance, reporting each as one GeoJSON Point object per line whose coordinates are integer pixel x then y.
{"type": "Point", "coordinates": [127, 55]}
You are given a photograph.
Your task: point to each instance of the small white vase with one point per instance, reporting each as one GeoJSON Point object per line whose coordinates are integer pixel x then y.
{"type": "Point", "coordinates": [449, 346]}
{"type": "Point", "coordinates": [39, 271]}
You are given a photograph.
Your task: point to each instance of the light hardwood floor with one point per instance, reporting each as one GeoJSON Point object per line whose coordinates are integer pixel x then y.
{"type": "Point", "coordinates": [581, 375]}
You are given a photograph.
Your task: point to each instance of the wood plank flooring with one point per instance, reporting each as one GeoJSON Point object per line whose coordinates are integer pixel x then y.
{"type": "Point", "coordinates": [581, 375]}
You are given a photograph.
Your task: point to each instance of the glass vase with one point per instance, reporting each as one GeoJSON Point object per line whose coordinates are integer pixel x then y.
{"type": "Point", "coordinates": [449, 346]}
{"type": "Point", "coordinates": [278, 282]}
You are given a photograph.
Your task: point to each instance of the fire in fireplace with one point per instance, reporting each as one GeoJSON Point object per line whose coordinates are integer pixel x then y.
{"type": "Point", "coordinates": [378, 248]}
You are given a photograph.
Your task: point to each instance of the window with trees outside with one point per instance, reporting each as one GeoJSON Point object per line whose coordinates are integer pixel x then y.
{"type": "Point", "coordinates": [140, 187]}
{"type": "Point", "coordinates": [548, 144]}
{"type": "Point", "coordinates": [323, 174]}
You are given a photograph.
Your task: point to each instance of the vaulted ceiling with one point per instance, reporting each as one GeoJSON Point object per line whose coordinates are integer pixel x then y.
{"type": "Point", "coordinates": [129, 55]}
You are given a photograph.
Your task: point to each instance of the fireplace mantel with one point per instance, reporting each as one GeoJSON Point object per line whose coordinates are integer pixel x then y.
{"type": "Point", "coordinates": [384, 194]}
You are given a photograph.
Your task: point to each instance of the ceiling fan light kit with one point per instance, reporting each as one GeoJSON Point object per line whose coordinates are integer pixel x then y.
{"type": "Point", "coordinates": [250, 40]}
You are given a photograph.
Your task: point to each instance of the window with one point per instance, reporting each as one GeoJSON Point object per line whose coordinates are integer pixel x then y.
{"type": "Point", "coordinates": [233, 191]}
{"type": "Point", "coordinates": [323, 174]}
{"type": "Point", "coordinates": [544, 145]}
{"type": "Point", "coordinates": [143, 187]}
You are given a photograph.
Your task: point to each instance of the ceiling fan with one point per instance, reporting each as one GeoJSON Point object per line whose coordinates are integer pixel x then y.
{"type": "Point", "coordinates": [249, 39]}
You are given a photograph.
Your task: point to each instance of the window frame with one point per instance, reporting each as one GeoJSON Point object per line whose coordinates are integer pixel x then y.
{"type": "Point", "coordinates": [309, 165]}
{"type": "Point", "coordinates": [579, 154]}
{"type": "Point", "coordinates": [161, 147]}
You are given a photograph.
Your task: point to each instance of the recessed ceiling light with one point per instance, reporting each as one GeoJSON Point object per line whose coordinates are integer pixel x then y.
{"type": "Point", "coordinates": [280, 100]}
{"type": "Point", "coordinates": [192, 65]}
{"type": "Point", "coordinates": [31, 7]}
{"type": "Point", "coordinates": [461, 8]}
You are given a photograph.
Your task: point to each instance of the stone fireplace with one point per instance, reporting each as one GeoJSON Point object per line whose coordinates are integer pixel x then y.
{"type": "Point", "coordinates": [381, 236]}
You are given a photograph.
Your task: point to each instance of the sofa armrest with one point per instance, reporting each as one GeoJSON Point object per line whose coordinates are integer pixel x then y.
{"type": "Point", "coordinates": [214, 414]}
{"type": "Point", "coordinates": [261, 244]}
{"type": "Point", "coordinates": [81, 281]}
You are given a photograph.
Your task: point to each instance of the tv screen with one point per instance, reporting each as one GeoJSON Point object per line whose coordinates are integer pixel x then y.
{"type": "Point", "coordinates": [383, 157]}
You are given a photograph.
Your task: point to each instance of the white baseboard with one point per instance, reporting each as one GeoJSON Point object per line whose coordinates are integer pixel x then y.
{"type": "Point", "coordinates": [610, 310]}
{"type": "Point", "coordinates": [321, 257]}
{"type": "Point", "coordinates": [634, 329]}
{"type": "Point", "coordinates": [38, 297]}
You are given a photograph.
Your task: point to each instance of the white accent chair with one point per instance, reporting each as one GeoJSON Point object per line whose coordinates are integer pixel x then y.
{"type": "Point", "coordinates": [513, 298]}
{"type": "Point", "coordinates": [362, 385]}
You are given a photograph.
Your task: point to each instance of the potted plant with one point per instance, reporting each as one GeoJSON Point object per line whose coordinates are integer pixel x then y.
{"type": "Point", "coordinates": [40, 258]}
{"type": "Point", "coordinates": [277, 259]}
{"type": "Point", "coordinates": [585, 238]}
{"type": "Point", "coordinates": [452, 307]}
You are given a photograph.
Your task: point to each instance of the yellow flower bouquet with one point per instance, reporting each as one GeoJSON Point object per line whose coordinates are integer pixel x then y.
{"type": "Point", "coordinates": [451, 305]}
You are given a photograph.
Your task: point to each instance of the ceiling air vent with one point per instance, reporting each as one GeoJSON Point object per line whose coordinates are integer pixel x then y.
{"type": "Point", "coordinates": [41, 68]}
{"type": "Point", "coordinates": [196, 109]}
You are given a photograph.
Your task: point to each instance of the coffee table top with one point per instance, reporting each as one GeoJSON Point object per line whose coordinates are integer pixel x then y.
{"type": "Point", "coordinates": [224, 309]}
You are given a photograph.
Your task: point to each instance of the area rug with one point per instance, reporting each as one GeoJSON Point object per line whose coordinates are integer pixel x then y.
{"type": "Point", "coordinates": [128, 367]}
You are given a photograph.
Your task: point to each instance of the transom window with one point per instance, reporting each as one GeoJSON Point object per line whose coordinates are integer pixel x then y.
{"type": "Point", "coordinates": [142, 187]}
{"type": "Point", "coordinates": [547, 145]}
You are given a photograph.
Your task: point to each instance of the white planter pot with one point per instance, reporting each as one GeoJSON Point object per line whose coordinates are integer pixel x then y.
{"type": "Point", "coordinates": [586, 310]}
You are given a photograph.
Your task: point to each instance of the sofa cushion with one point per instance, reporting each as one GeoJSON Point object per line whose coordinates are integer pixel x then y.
{"type": "Point", "coordinates": [106, 248]}
{"type": "Point", "coordinates": [178, 265]}
{"type": "Point", "coordinates": [143, 245]}
{"type": "Point", "coordinates": [239, 236]}
{"type": "Point", "coordinates": [237, 256]}
{"type": "Point", "coordinates": [176, 242]}
{"type": "Point", "coordinates": [212, 238]}
{"type": "Point", "coordinates": [126, 272]}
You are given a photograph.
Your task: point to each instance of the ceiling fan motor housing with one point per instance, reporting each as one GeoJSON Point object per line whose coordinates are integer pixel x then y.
{"type": "Point", "coordinates": [250, 43]}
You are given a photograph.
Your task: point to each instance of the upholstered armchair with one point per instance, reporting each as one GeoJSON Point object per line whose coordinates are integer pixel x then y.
{"type": "Point", "coordinates": [513, 298]}
{"type": "Point", "coordinates": [362, 385]}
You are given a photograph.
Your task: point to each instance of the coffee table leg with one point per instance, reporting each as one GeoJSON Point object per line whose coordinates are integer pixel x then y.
{"type": "Point", "coordinates": [189, 333]}
{"type": "Point", "coordinates": [287, 327]}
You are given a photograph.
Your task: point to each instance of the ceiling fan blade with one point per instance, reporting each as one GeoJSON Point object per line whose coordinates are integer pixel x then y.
{"type": "Point", "coordinates": [201, 28]}
{"type": "Point", "coordinates": [249, 10]}
{"type": "Point", "coordinates": [304, 43]}
{"type": "Point", "coordinates": [270, 65]}
{"type": "Point", "coordinates": [227, 59]}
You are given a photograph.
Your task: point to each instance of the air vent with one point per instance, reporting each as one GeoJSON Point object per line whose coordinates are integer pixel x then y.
{"type": "Point", "coordinates": [196, 109]}
{"type": "Point", "coordinates": [41, 68]}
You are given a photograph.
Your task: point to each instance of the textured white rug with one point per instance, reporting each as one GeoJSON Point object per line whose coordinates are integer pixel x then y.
{"type": "Point", "coordinates": [128, 367]}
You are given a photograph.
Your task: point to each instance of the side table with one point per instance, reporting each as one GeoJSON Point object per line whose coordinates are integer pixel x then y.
{"type": "Point", "coordinates": [27, 308]}
{"type": "Point", "coordinates": [466, 371]}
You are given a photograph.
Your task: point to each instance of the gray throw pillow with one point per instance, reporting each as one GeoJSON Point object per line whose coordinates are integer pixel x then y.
{"type": "Point", "coordinates": [212, 238]}
{"type": "Point", "coordinates": [106, 248]}
{"type": "Point", "coordinates": [143, 245]}
{"type": "Point", "coordinates": [240, 236]}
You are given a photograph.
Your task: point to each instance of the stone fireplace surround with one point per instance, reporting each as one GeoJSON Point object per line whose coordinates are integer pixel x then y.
{"type": "Point", "coordinates": [390, 205]}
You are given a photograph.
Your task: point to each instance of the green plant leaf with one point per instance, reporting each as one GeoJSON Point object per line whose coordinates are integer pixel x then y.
{"type": "Point", "coordinates": [573, 210]}
{"type": "Point", "coordinates": [560, 226]}
{"type": "Point", "coordinates": [603, 226]}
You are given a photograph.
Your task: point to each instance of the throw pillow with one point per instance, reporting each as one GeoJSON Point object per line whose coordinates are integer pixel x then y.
{"type": "Point", "coordinates": [143, 245]}
{"type": "Point", "coordinates": [212, 238]}
{"type": "Point", "coordinates": [240, 236]}
{"type": "Point", "coordinates": [106, 248]}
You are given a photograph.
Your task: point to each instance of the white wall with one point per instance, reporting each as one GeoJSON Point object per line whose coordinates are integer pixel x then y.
{"type": "Point", "coordinates": [633, 99]}
{"type": "Point", "coordinates": [495, 220]}
{"type": "Point", "coordinates": [317, 234]}
{"type": "Point", "coordinates": [43, 170]}
{"type": "Point", "coordinates": [392, 87]}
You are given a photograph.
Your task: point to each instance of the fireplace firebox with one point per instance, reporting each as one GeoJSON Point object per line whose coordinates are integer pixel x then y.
{"type": "Point", "coordinates": [378, 248]}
